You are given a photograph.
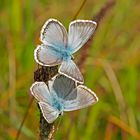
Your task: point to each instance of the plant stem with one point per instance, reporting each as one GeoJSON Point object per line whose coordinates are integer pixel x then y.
{"type": "Point", "coordinates": [77, 13]}
{"type": "Point", "coordinates": [25, 116]}
{"type": "Point", "coordinates": [45, 74]}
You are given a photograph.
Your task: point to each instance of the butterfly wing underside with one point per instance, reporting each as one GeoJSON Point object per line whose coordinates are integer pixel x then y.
{"type": "Point", "coordinates": [49, 113]}
{"type": "Point", "coordinates": [47, 56]}
{"type": "Point", "coordinates": [69, 69]}
{"type": "Point", "coordinates": [79, 33]}
{"type": "Point", "coordinates": [84, 98]}
{"type": "Point", "coordinates": [41, 92]}
{"type": "Point", "coordinates": [62, 86]}
{"type": "Point", "coordinates": [54, 34]}
{"type": "Point", "coordinates": [54, 39]}
{"type": "Point", "coordinates": [73, 97]}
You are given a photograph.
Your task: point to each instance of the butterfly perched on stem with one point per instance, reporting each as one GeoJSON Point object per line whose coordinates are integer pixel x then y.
{"type": "Point", "coordinates": [61, 94]}
{"type": "Point", "coordinates": [58, 46]}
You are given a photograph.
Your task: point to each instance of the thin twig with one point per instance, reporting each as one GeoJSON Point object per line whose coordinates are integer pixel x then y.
{"type": "Point", "coordinates": [78, 11]}
{"type": "Point", "coordinates": [12, 77]}
{"type": "Point", "coordinates": [25, 116]}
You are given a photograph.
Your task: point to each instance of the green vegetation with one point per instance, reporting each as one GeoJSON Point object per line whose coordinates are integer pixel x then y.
{"type": "Point", "coordinates": [111, 69]}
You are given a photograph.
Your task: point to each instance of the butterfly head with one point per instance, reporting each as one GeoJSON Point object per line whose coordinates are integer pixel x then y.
{"type": "Point", "coordinates": [61, 113]}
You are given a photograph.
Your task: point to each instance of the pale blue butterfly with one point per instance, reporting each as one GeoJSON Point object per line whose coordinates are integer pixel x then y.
{"type": "Point", "coordinates": [58, 46]}
{"type": "Point", "coordinates": [60, 95]}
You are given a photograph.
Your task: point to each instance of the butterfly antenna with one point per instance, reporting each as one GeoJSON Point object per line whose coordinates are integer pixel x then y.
{"type": "Point", "coordinates": [58, 123]}
{"type": "Point", "coordinates": [57, 126]}
{"type": "Point", "coordinates": [25, 116]}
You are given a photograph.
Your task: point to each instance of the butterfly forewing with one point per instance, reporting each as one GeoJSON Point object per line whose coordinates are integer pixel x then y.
{"type": "Point", "coordinates": [54, 34]}
{"type": "Point", "coordinates": [79, 33]}
{"type": "Point", "coordinates": [41, 92]}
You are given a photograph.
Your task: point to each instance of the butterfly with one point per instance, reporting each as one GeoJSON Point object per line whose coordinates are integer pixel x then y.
{"type": "Point", "coordinates": [61, 94]}
{"type": "Point", "coordinates": [58, 46]}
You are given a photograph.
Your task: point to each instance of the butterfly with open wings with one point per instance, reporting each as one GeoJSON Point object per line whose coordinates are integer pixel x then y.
{"type": "Point", "coordinates": [58, 46]}
{"type": "Point", "coordinates": [61, 94]}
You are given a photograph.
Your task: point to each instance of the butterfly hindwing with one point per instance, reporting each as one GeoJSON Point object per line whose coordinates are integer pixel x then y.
{"type": "Point", "coordinates": [69, 69]}
{"type": "Point", "coordinates": [49, 113]}
{"type": "Point", "coordinates": [47, 56]}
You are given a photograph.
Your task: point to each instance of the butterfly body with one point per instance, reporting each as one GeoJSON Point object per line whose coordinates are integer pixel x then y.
{"type": "Point", "coordinates": [66, 55]}
{"type": "Point", "coordinates": [57, 103]}
{"type": "Point", "coordinates": [59, 46]}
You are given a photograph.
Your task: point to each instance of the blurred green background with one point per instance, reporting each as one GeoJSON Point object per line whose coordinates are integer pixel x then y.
{"type": "Point", "coordinates": [111, 69]}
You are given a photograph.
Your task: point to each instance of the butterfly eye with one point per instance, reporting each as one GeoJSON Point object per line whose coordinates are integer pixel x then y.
{"type": "Point", "coordinates": [61, 113]}
{"type": "Point", "coordinates": [72, 57]}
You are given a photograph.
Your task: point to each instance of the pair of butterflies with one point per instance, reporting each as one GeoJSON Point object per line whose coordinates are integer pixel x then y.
{"type": "Point", "coordinates": [58, 46]}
